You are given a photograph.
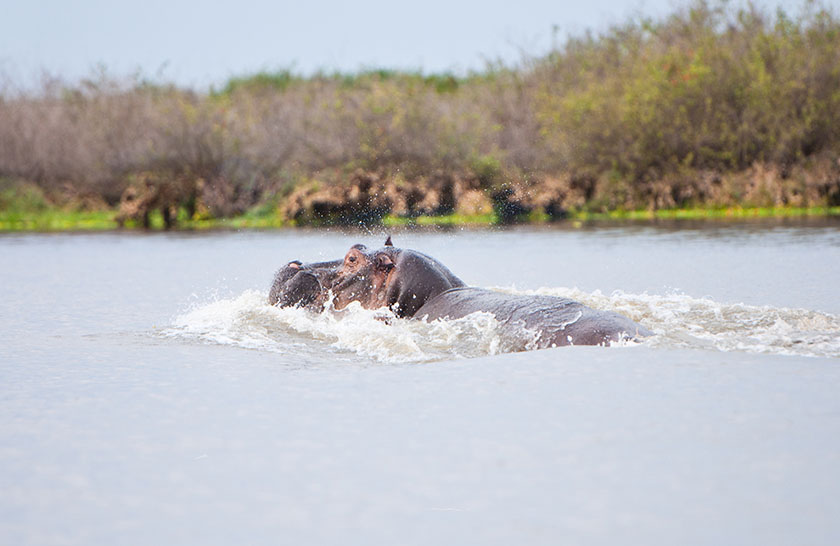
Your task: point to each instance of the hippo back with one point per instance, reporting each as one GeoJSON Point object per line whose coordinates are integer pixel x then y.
{"type": "Point", "coordinates": [549, 320]}
{"type": "Point", "coordinates": [418, 279]}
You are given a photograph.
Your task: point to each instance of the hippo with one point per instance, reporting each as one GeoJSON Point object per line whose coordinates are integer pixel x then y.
{"type": "Point", "coordinates": [296, 285]}
{"type": "Point", "coordinates": [414, 285]}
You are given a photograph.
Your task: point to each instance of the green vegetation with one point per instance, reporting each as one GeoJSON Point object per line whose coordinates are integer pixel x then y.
{"type": "Point", "coordinates": [267, 81]}
{"type": "Point", "coordinates": [711, 214]}
{"type": "Point", "coordinates": [24, 207]}
{"type": "Point", "coordinates": [713, 110]}
{"type": "Point", "coordinates": [38, 215]}
{"type": "Point", "coordinates": [442, 220]}
{"type": "Point", "coordinates": [58, 220]}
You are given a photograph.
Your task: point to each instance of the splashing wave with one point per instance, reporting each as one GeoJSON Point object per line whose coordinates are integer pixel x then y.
{"type": "Point", "coordinates": [684, 321]}
{"type": "Point", "coordinates": [248, 321]}
{"type": "Point", "coordinates": [679, 320]}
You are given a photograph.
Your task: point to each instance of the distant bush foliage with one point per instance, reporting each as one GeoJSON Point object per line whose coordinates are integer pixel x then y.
{"type": "Point", "coordinates": [710, 106]}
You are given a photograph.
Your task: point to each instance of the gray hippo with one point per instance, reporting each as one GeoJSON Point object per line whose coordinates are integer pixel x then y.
{"type": "Point", "coordinates": [413, 284]}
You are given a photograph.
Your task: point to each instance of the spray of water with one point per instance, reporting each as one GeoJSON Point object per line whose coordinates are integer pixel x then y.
{"type": "Point", "coordinates": [678, 320]}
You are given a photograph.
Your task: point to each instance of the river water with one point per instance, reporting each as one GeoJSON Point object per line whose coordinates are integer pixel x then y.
{"type": "Point", "coordinates": [148, 395]}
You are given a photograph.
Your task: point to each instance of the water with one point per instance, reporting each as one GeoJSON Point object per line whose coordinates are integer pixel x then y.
{"type": "Point", "coordinates": [148, 395]}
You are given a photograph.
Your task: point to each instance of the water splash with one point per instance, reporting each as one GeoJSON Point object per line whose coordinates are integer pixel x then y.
{"type": "Point", "coordinates": [248, 321]}
{"type": "Point", "coordinates": [680, 321]}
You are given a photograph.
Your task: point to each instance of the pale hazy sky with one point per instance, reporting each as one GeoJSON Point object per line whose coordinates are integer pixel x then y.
{"type": "Point", "coordinates": [200, 43]}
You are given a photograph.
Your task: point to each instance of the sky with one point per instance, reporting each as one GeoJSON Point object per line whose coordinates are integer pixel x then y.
{"type": "Point", "coordinates": [203, 43]}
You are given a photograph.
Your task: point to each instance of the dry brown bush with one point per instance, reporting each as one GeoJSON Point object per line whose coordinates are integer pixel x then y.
{"type": "Point", "coordinates": [713, 105]}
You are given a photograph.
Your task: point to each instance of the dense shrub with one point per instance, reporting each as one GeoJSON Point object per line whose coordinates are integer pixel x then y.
{"type": "Point", "coordinates": [703, 89]}
{"type": "Point", "coordinates": [647, 114]}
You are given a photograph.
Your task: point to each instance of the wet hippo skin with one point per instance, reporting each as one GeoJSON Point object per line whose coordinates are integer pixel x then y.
{"type": "Point", "coordinates": [554, 321]}
{"type": "Point", "coordinates": [413, 284]}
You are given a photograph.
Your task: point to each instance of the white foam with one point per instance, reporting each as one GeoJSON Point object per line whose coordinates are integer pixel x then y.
{"type": "Point", "coordinates": [248, 321]}
{"type": "Point", "coordinates": [678, 320]}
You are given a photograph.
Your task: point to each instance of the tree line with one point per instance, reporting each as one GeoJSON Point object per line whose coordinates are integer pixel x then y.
{"type": "Point", "coordinates": [713, 105]}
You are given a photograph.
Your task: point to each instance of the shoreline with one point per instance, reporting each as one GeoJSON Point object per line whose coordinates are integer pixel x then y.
{"type": "Point", "coordinates": [61, 221]}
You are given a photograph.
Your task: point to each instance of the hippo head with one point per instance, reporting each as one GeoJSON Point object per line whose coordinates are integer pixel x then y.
{"type": "Point", "coordinates": [363, 277]}
{"type": "Point", "coordinates": [299, 285]}
{"type": "Point", "coordinates": [400, 279]}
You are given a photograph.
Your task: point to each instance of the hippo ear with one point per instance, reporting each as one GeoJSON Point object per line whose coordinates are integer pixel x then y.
{"type": "Point", "coordinates": [388, 241]}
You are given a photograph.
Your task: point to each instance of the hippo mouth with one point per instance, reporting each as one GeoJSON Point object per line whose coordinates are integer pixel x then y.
{"type": "Point", "coordinates": [296, 286]}
{"type": "Point", "coordinates": [304, 289]}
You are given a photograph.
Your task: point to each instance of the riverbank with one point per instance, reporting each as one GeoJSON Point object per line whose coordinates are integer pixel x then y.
{"type": "Point", "coordinates": [60, 220]}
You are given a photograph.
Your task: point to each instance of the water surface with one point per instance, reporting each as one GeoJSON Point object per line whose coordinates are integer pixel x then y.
{"type": "Point", "coordinates": [148, 395]}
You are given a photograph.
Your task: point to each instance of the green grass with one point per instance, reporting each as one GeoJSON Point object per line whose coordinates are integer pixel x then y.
{"type": "Point", "coordinates": [24, 207]}
{"type": "Point", "coordinates": [57, 220]}
{"type": "Point", "coordinates": [733, 213]}
{"type": "Point", "coordinates": [239, 222]}
{"type": "Point", "coordinates": [444, 220]}
{"type": "Point", "coordinates": [47, 219]}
